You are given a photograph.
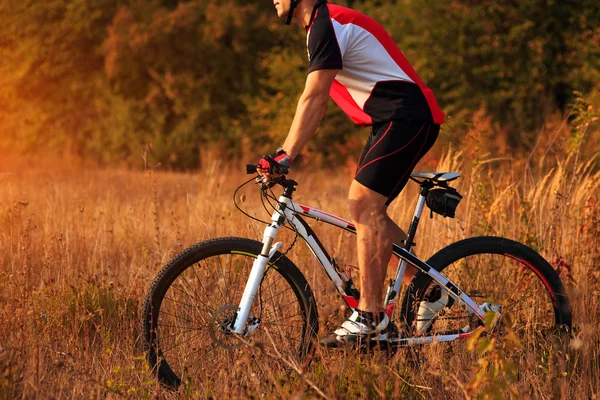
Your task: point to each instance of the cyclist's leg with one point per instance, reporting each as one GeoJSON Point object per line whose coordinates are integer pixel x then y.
{"type": "Point", "coordinates": [368, 321]}
{"type": "Point", "coordinates": [389, 156]}
{"type": "Point", "coordinates": [369, 213]}
{"type": "Point", "coordinates": [374, 243]}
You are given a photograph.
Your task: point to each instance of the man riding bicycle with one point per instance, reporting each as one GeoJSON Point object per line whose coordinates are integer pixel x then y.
{"type": "Point", "coordinates": [353, 60]}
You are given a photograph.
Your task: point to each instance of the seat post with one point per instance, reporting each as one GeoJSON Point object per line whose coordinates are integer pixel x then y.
{"type": "Point", "coordinates": [412, 230]}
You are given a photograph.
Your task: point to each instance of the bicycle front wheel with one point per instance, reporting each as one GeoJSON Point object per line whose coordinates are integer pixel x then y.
{"type": "Point", "coordinates": [505, 274]}
{"type": "Point", "coordinates": [189, 308]}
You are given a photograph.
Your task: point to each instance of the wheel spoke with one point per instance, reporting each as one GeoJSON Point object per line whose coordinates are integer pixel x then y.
{"type": "Point", "coordinates": [206, 351]}
{"type": "Point", "coordinates": [512, 271]}
{"type": "Point", "coordinates": [273, 282]}
{"type": "Point", "coordinates": [202, 288]}
{"type": "Point", "coordinates": [281, 324]}
{"type": "Point", "coordinates": [280, 319]}
{"type": "Point", "coordinates": [278, 294]}
{"type": "Point", "coordinates": [521, 295]}
{"type": "Point", "coordinates": [173, 315]}
{"type": "Point", "coordinates": [222, 275]}
{"type": "Point", "coordinates": [189, 329]}
{"type": "Point", "coordinates": [194, 308]}
{"type": "Point", "coordinates": [497, 278]}
{"type": "Point", "coordinates": [184, 341]}
{"type": "Point", "coordinates": [210, 307]}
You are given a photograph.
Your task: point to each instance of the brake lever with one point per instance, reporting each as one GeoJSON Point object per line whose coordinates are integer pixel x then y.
{"type": "Point", "coordinates": [268, 184]}
{"type": "Point", "coordinates": [264, 184]}
{"type": "Point", "coordinates": [261, 180]}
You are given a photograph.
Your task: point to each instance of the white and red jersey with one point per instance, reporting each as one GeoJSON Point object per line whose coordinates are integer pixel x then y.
{"type": "Point", "coordinates": [376, 83]}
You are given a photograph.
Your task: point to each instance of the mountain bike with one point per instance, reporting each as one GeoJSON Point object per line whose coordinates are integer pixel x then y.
{"type": "Point", "coordinates": [244, 303]}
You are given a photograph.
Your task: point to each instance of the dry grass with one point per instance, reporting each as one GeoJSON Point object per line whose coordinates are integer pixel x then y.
{"type": "Point", "coordinates": [79, 246]}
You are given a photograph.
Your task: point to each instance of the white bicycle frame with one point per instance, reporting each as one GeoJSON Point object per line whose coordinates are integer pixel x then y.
{"type": "Point", "coordinates": [288, 211]}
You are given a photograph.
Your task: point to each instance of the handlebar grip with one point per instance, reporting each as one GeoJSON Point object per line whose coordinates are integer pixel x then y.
{"type": "Point", "coordinates": [251, 168]}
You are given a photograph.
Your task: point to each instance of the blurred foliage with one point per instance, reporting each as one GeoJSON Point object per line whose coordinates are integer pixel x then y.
{"type": "Point", "coordinates": [105, 78]}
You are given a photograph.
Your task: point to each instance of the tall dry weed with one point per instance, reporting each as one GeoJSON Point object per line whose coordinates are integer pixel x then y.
{"type": "Point", "coordinates": [79, 246]}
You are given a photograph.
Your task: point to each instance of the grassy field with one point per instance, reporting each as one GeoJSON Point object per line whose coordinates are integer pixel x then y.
{"type": "Point", "coordinates": [79, 246]}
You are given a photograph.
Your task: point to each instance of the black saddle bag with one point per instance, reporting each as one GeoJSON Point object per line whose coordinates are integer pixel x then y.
{"type": "Point", "coordinates": [443, 201]}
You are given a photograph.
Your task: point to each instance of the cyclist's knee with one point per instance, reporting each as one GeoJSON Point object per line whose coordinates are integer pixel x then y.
{"type": "Point", "coordinates": [365, 210]}
{"type": "Point", "coordinates": [366, 204]}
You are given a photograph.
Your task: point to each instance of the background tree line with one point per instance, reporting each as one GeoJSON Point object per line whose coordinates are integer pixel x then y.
{"type": "Point", "coordinates": [105, 78]}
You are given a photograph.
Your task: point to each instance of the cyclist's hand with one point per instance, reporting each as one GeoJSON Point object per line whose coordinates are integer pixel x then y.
{"type": "Point", "coordinates": [274, 165]}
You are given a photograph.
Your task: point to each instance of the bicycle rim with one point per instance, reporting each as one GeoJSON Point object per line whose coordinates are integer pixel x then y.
{"type": "Point", "coordinates": [193, 305]}
{"type": "Point", "coordinates": [499, 273]}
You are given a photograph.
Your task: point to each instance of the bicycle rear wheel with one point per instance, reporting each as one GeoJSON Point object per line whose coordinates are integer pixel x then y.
{"type": "Point", "coordinates": [499, 272]}
{"type": "Point", "coordinates": [191, 303]}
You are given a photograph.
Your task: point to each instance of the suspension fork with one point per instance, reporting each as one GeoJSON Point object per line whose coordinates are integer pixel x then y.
{"type": "Point", "coordinates": [259, 265]}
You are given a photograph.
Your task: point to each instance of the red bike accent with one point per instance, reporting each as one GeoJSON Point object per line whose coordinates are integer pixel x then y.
{"type": "Point", "coordinates": [466, 335]}
{"type": "Point", "coordinates": [351, 301]}
{"type": "Point", "coordinates": [389, 309]}
{"type": "Point", "coordinates": [531, 267]}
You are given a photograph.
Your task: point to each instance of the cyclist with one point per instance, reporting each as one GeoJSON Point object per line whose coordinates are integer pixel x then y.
{"type": "Point", "coordinates": [353, 60]}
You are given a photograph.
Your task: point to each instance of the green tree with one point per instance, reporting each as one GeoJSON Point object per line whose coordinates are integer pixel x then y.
{"type": "Point", "coordinates": [520, 60]}
{"type": "Point", "coordinates": [51, 70]}
{"type": "Point", "coordinates": [107, 77]}
{"type": "Point", "coordinates": [183, 73]}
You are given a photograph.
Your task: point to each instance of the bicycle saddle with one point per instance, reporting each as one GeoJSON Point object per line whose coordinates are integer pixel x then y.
{"type": "Point", "coordinates": [436, 176]}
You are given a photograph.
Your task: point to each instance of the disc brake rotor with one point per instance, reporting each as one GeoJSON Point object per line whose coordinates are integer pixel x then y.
{"type": "Point", "coordinates": [219, 328]}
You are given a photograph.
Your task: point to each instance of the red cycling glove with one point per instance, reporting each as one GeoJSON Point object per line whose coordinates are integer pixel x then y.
{"type": "Point", "coordinates": [277, 163]}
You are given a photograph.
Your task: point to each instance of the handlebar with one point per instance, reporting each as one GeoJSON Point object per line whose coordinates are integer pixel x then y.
{"type": "Point", "coordinates": [288, 184]}
{"type": "Point", "coordinates": [253, 169]}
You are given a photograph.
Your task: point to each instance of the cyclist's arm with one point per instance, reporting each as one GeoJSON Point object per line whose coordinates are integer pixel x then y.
{"type": "Point", "coordinates": [310, 110]}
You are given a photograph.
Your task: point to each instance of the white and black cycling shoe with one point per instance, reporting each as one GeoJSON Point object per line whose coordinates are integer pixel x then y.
{"type": "Point", "coordinates": [434, 301]}
{"type": "Point", "coordinates": [361, 328]}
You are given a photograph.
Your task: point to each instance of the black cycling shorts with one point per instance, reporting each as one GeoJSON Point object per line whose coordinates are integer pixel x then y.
{"type": "Point", "coordinates": [391, 153]}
